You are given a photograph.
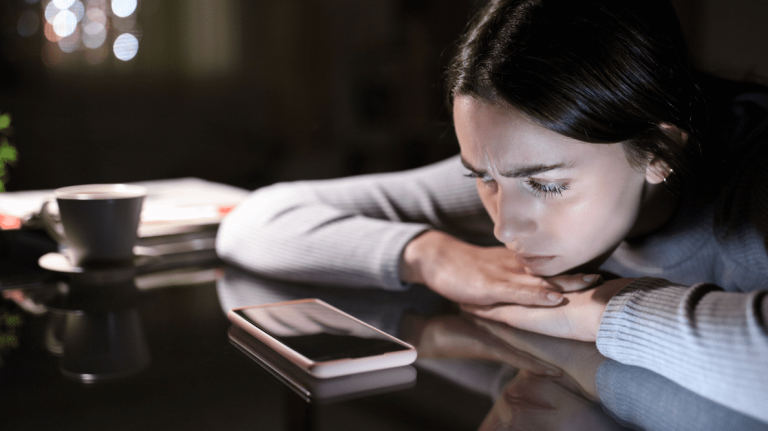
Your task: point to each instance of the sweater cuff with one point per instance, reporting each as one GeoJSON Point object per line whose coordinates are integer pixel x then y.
{"type": "Point", "coordinates": [633, 310]}
{"type": "Point", "coordinates": [393, 252]}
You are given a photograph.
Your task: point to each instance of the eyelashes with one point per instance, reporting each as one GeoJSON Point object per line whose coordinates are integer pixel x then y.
{"type": "Point", "coordinates": [539, 190]}
{"type": "Point", "coordinates": [483, 177]}
{"type": "Point", "coordinates": [546, 190]}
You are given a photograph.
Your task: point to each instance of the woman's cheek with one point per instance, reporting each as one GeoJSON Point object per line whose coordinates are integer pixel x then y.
{"type": "Point", "coordinates": [576, 217]}
{"type": "Point", "coordinates": [608, 218]}
{"type": "Point", "coordinates": [586, 229]}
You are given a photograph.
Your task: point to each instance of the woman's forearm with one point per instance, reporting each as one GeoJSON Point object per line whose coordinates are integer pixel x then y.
{"type": "Point", "coordinates": [349, 231]}
{"type": "Point", "coordinates": [712, 342]}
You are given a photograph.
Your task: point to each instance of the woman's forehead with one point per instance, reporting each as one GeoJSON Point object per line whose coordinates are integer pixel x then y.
{"type": "Point", "coordinates": [499, 137]}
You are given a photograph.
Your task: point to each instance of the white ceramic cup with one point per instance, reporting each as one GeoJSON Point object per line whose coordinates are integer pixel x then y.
{"type": "Point", "coordinates": [99, 222]}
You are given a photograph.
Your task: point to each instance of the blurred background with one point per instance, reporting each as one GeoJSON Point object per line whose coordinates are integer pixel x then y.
{"type": "Point", "coordinates": [250, 92]}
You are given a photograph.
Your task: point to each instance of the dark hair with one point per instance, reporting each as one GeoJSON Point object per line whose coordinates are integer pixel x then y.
{"type": "Point", "coordinates": [599, 71]}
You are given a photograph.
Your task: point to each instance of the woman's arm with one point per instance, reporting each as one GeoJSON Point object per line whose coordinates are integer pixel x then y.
{"type": "Point", "coordinates": [350, 231]}
{"type": "Point", "coordinates": [711, 342]}
{"type": "Point", "coordinates": [420, 226]}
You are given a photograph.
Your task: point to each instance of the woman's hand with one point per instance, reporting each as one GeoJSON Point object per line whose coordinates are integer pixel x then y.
{"type": "Point", "coordinates": [484, 276]}
{"type": "Point", "coordinates": [578, 317]}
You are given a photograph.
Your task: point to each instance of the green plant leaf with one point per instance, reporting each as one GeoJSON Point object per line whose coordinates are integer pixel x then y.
{"type": "Point", "coordinates": [7, 153]}
{"type": "Point", "coordinates": [12, 320]}
{"type": "Point", "coordinates": [5, 121]}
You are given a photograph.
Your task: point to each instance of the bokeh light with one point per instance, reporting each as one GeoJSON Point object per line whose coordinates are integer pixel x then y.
{"type": "Point", "coordinates": [84, 25]}
{"type": "Point", "coordinates": [93, 27]}
{"type": "Point", "coordinates": [94, 40]}
{"type": "Point", "coordinates": [49, 33]}
{"type": "Point", "coordinates": [95, 14]}
{"type": "Point", "coordinates": [126, 46]}
{"type": "Point", "coordinates": [78, 9]}
{"type": "Point", "coordinates": [28, 23]}
{"type": "Point", "coordinates": [65, 23]}
{"type": "Point", "coordinates": [50, 12]}
{"type": "Point", "coordinates": [98, 4]}
{"type": "Point", "coordinates": [63, 4]}
{"type": "Point", "coordinates": [70, 43]}
{"type": "Point", "coordinates": [123, 8]}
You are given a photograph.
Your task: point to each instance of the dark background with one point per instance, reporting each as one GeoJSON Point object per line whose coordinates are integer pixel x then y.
{"type": "Point", "coordinates": [249, 92]}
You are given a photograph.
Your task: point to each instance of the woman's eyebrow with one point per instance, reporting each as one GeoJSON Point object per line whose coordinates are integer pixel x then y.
{"type": "Point", "coordinates": [521, 172]}
{"type": "Point", "coordinates": [470, 167]}
{"type": "Point", "coordinates": [529, 171]}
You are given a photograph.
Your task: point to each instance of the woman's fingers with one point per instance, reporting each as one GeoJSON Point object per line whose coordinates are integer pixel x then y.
{"type": "Point", "coordinates": [527, 289]}
{"type": "Point", "coordinates": [524, 289]}
{"type": "Point", "coordinates": [469, 274]}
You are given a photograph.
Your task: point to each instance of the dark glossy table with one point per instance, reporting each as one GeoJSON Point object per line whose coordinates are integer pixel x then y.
{"type": "Point", "coordinates": [154, 351]}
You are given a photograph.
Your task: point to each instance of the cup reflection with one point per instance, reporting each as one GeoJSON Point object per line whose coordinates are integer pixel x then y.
{"type": "Point", "coordinates": [96, 329]}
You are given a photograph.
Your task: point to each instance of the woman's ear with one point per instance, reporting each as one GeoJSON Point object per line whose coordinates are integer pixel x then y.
{"type": "Point", "coordinates": [657, 171]}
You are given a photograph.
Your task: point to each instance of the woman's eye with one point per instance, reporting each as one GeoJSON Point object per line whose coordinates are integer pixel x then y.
{"type": "Point", "coordinates": [486, 178]}
{"type": "Point", "coordinates": [546, 189]}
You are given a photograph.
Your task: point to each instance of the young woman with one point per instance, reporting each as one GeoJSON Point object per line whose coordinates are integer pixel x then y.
{"type": "Point", "coordinates": [591, 150]}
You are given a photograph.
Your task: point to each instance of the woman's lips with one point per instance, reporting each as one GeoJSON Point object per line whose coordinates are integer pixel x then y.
{"type": "Point", "coordinates": [535, 259]}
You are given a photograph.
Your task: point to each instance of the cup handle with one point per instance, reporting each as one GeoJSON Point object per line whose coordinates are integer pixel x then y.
{"type": "Point", "coordinates": [51, 225]}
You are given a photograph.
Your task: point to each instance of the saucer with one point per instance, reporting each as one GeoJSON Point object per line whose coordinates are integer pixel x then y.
{"type": "Point", "coordinates": [59, 262]}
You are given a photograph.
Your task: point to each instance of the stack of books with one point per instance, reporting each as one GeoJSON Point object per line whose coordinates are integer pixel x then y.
{"type": "Point", "coordinates": [179, 221]}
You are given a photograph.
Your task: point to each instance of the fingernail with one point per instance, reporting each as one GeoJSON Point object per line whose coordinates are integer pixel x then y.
{"type": "Point", "coordinates": [591, 278]}
{"type": "Point", "coordinates": [552, 373]}
{"type": "Point", "coordinates": [554, 297]}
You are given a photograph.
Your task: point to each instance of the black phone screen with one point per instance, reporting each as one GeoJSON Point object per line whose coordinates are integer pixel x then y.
{"type": "Point", "coordinates": [318, 332]}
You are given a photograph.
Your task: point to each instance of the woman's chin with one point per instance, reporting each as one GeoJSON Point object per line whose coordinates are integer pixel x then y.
{"type": "Point", "coordinates": [591, 267]}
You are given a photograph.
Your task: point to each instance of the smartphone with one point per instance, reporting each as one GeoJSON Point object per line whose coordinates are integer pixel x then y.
{"type": "Point", "coordinates": [321, 391]}
{"type": "Point", "coordinates": [322, 340]}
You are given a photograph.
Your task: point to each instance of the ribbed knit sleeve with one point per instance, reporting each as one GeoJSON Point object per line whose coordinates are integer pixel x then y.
{"type": "Point", "coordinates": [640, 399]}
{"type": "Point", "coordinates": [711, 342]}
{"type": "Point", "coordinates": [349, 231]}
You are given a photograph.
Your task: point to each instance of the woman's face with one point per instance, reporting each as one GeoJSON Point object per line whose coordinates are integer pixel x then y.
{"type": "Point", "coordinates": [557, 202]}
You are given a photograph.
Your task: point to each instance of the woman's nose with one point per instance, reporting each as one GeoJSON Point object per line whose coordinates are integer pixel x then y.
{"type": "Point", "coordinates": [514, 219]}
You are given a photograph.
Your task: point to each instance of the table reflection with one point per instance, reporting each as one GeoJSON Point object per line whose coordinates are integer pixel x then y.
{"type": "Point", "coordinates": [538, 382]}
{"type": "Point", "coordinates": [315, 390]}
{"type": "Point", "coordinates": [164, 346]}
{"type": "Point", "coordinates": [534, 381]}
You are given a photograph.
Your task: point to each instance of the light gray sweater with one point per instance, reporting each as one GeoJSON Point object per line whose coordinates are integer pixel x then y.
{"type": "Point", "coordinates": [697, 315]}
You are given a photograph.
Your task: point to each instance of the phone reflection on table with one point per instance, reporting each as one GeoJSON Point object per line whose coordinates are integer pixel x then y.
{"type": "Point", "coordinates": [321, 391]}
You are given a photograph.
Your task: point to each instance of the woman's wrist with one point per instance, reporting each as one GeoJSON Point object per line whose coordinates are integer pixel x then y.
{"type": "Point", "coordinates": [418, 256]}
